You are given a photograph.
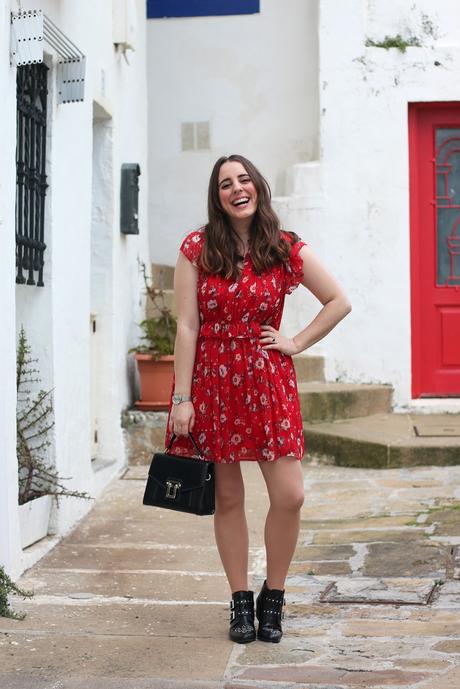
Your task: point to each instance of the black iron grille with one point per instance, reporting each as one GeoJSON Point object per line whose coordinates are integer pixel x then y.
{"type": "Point", "coordinates": [31, 173]}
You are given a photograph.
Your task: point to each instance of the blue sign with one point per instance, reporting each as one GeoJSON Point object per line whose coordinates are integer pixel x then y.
{"type": "Point", "coordinates": [157, 9]}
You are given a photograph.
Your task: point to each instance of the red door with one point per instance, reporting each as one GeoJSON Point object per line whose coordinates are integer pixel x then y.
{"type": "Point", "coordinates": [434, 153]}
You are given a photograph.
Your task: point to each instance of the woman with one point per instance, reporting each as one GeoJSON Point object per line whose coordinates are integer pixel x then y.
{"type": "Point", "coordinates": [234, 384]}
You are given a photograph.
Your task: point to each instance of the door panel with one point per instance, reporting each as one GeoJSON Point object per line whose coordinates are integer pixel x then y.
{"type": "Point", "coordinates": [450, 326]}
{"type": "Point", "coordinates": [434, 149]}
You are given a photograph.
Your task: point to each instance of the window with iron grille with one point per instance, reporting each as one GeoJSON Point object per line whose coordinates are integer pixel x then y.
{"type": "Point", "coordinates": [31, 89]}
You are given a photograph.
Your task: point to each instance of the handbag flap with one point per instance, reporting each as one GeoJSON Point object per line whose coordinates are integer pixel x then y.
{"type": "Point", "coordinates": [189, 471]}
{"type": "Point", "coordinates": [183, 489]}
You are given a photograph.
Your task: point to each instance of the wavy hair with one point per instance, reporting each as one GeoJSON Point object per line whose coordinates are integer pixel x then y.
{"type": "Point", "coordinates": [266, 244]}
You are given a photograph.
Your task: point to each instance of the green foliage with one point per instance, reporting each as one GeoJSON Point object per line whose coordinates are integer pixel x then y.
{"type": "Point", "coordinates": [160, 334]}
{"type": "Point", "coordinates": [394, 42]}
{"type": "Point", "coordinates": [7, 587]}
{"type": "Point", "coordinates": [159, 331]}
{"type": "Point", "coordinates": [33, 425]}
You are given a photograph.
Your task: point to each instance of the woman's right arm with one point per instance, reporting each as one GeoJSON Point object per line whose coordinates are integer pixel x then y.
{"type": "Point", "coordinates": [182, 417]}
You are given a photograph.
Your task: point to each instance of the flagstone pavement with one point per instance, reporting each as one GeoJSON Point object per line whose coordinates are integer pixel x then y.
{"type": "Point", "coordinates": [135, 596]}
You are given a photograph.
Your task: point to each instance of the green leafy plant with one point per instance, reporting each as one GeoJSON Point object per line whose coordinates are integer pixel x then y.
{"type": "Point", "coordinates": [7, 587]}
{"type": "Point", "coordinates": [33, 425]}
{"type": "Point", "coordinates": [159, 331]}
{"type": "Point", "coordinates": [394, 42]}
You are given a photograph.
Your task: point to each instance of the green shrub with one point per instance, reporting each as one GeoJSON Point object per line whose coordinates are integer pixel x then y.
{"type": "Point", "coordinates": [7, 587]}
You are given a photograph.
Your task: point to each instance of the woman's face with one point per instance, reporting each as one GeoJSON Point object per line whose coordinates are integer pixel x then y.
{"type": "Point", "coordinates": [237, 193]}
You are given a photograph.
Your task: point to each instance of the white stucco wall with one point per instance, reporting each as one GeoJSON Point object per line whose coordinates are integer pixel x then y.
{"type": "Point", "coordinates": [57, 316]}
{"type": "Point", "coordinates": [254, 79]}
{"type": "Point", "coordinates": [303, 212]}
{"type": "Point", "coordinates": [9, 522]}
{"type": "Point", "coordinates": [363, 236]}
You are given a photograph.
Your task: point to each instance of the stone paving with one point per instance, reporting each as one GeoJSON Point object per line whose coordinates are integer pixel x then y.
{"type": "Point", "coordinates": [135, 597]}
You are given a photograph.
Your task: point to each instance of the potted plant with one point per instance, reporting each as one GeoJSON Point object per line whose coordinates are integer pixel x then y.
{"type": "Point", "coordinates": [38, 481]}
{"type": "Point", "coordinates": [155, 358]}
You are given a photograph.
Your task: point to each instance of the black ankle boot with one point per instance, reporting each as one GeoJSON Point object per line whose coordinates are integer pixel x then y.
{"type": "Point", "coordinates": [269, 610]}
{"type": "Point", "coordinates": [242, 628]}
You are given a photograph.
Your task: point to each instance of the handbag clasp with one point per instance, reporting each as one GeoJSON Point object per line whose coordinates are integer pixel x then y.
{"type": "Point", "coordinates": [171, 489]}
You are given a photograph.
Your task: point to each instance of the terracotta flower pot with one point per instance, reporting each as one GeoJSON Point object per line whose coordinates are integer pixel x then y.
{"type": "Point", "coordinates": [156, 377]}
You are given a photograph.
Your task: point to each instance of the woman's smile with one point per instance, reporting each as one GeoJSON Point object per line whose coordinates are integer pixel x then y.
{"type": "Point", "coordinates": [237, 193]}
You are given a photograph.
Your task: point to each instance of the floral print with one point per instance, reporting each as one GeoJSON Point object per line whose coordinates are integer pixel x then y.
{"type": "Point", "coordinates": [245, 397]}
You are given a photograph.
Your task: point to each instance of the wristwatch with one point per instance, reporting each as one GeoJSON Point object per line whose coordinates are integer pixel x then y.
{"type": "Point", "coordinates": [177, 399]}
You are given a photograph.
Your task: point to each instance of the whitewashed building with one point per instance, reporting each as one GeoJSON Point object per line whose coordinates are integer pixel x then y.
{"type": "Point", "coordinates": [359, 141]}
{"type": "Point", "coordinates": [350, 108]}
{"type": "Point", "coordinates": [71, 117]}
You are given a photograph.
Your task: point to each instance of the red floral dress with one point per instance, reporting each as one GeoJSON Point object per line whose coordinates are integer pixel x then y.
{"type": "Point", "coordinates": [245, 397]}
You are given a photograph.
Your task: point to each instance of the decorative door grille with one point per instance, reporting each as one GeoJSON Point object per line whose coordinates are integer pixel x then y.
{"type": "Point", "coordinates": [31, 173]}
{"type": "Point", "coordinates": [447, 140]}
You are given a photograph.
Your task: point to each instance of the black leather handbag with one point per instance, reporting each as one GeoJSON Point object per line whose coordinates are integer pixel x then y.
{"type": "Point", "coordinates": [179, 483]}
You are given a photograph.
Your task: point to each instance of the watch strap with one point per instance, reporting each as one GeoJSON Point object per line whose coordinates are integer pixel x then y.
{"type": "Point", "coordinates": [178, 398]}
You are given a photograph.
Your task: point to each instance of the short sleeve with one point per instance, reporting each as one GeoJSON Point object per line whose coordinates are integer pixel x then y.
{"type": "Point", "coordinates": [294, 267]}
{"type": "Point", "coordinates": [192, 245]}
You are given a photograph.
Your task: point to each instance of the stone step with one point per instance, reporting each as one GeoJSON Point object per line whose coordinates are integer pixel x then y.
{"type": "Point", "coordinates": [309, 368]}
{"type": "Point", "coordinates": [145, 431]}
{"type": "Point", "coordinates": [162, 276]}
{"type": "Point", "coordinates": [306, 180]}
{"type": "Point", "coordinates": [321, 401]}
{"type": "Point", "coordinates": [168, 300]}
{"type": "Point", "coordinates": [144, 434]}
{"type": "Point", "coordinates": [386, 440]}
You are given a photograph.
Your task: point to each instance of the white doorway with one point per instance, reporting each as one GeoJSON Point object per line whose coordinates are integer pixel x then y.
{"type": "Point", "coordinates": [100, 317]}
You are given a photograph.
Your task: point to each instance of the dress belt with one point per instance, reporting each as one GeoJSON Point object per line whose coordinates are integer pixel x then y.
{"type": "Point", "coordinates": [225, 331]}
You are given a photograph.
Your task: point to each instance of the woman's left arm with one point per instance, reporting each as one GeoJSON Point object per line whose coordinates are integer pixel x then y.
{"type": "Point", "coordinates": [335, 307]}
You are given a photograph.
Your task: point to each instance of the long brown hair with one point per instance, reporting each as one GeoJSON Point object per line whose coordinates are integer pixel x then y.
{"type": "Point", "coordinates": [266, 244]}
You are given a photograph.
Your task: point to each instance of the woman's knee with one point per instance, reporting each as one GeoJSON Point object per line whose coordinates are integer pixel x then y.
{"type": "Point", "coordinates": [291, 501]}
{"type": "Point", "coordinates": [229, 500]}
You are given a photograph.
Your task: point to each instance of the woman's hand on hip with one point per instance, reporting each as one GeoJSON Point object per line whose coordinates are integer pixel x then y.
{"type": "Point", "coordinates": [272, 339]}
{"type": "Point", "coordinates": [182, 418]}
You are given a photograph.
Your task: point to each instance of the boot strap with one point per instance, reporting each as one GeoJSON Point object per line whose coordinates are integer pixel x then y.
{"type": "Point", "coordinates": [274, 611]}
{"type": "Point", "coordinates": [240, 608]}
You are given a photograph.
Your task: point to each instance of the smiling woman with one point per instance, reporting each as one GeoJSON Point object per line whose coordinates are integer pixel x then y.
{"type": "Point", "coordinates": [239, 201]}
{"type": "Point", "coordinates": [237, 193]}
{"type": "Point", "coordinates": [234, 383]}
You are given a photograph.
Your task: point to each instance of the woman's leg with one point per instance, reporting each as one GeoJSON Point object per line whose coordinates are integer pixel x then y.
{"type": "Point", "coordinates": [230, 525]}
{"type": "Point", "coordinates": [284, 481]}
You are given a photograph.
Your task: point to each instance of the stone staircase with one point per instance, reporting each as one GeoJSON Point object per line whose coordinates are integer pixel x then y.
{"type": "Point", "coordinates": [344, 424]}
{"type": "Point", "coordinates": [353, 425]}
{"type": "Point", "coordinates": [162, 278]}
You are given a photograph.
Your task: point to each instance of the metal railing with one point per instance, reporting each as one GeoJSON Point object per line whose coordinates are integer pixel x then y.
{"type": "Point", "coordinates": [31, 182]}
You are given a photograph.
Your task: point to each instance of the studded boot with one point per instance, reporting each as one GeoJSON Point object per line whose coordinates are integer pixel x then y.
{"type": "Point", "coordinates": [242, 628]}
{"type": "Point", "coordinates": [269, 610]}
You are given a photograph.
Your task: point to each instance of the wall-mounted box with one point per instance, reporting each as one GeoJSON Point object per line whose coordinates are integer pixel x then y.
{"type": "Point", "coordinates": [129, 198]}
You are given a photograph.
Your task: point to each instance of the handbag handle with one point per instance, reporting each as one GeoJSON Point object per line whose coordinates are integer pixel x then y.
{"type": "Point", "coordinates": [174, 436]}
